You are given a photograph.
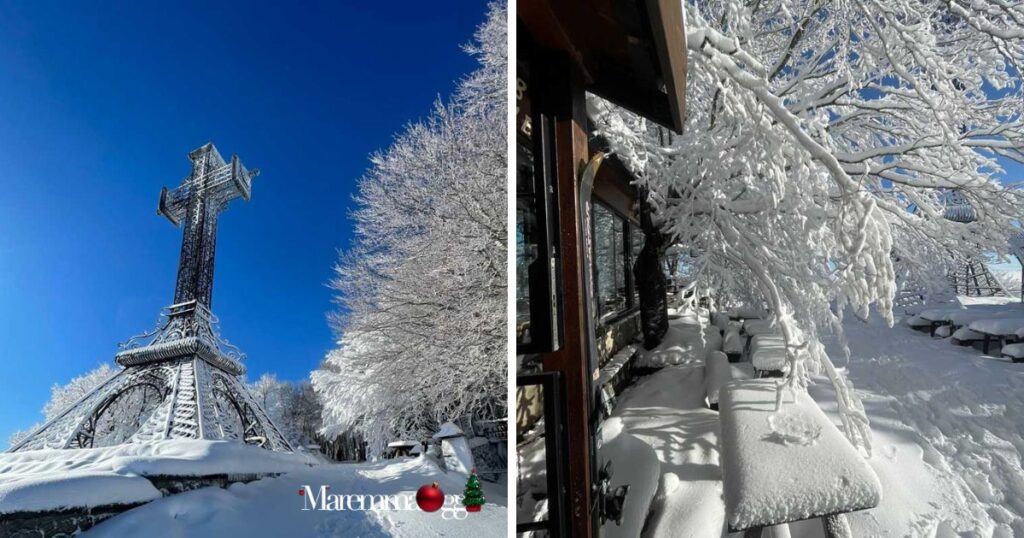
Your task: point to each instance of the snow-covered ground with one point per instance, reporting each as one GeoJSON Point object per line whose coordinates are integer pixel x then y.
{"type": "Point", "coordinates": [50, 479]}
{"type": "Point", "coordinates": [273, 506]}
{"type": "Point", "coordinates": [947, 427]}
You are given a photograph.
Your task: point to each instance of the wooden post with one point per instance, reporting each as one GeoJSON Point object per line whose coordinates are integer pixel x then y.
{"type": "Point", "coordinates": [563, 85]}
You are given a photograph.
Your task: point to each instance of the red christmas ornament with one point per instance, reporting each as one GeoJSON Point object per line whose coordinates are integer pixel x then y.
{"type": "Point", "coordinates": [430, 498]}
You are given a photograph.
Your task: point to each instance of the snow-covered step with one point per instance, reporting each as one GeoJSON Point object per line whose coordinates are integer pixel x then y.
{"type": "Point", "coordinates": [786, 465]}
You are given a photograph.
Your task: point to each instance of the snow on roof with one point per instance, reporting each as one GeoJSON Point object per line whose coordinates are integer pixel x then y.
{"type": "Point", "coordinates": [38, 480]}
{"type": "Point", "coordinates": [998, 326]}
{"type": "Point", "coordinates": [448, 430]}
{"type": "Point", "coordinates": [801, 467]}
{"type": "Point", "coordinates": [402, 444]}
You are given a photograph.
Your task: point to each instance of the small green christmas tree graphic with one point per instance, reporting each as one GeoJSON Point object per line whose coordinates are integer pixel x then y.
{"type": "Point", "coordinates": [473, 497]}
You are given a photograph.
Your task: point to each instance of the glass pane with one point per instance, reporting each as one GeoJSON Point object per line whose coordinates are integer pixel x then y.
{"type": "Point", "coordinates": [609, 261]}
{"type": "Point", "coordinates": [531, 455]}
{"type": "Point", "coordinates": [526, 239]}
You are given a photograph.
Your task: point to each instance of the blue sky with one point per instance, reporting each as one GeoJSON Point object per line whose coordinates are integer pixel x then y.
{"type": "Point", "coordinates": [99, 106]}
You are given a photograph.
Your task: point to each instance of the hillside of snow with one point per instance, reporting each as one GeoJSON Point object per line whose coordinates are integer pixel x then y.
{"type": "Point", "coordinates": [947, 424]}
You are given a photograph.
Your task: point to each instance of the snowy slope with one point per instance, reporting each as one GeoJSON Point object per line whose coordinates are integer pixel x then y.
{"type": "Point", "coordinates": [273, 507]}
{"type": "Point", "coordinates": [947, 425]}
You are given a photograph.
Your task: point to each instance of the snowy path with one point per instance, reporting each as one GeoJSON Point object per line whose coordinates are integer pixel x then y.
{"type": "Point", "coordinates": [273, 507]}
{"type": "Point", "coordinates": [947, 426]}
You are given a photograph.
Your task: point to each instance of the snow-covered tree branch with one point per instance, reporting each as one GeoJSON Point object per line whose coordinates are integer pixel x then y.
{"type": "Point", "coordinates": [825, 141]}
{"type": "Point", "coordinates": [422, 291]}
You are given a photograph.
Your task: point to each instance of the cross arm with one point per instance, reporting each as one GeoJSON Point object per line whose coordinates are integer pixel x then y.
{"type": "Point", "coordinates": [220, 185]}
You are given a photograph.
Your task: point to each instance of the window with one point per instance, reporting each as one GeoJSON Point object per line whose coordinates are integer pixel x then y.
{"type": "Point", "coordinates": [610, 261]}
{"type": "Point", "coordinates": [536, 257]}
{"type": "Point", "coordinates": [526, 242]}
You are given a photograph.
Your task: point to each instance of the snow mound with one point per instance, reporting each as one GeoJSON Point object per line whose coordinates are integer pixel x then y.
{"type": "Point", "coordinates": [634, 463]}
{"type": "Point", "coordinates": [39, 480]}
{"type": "Point", "coordinates": [794, 427]}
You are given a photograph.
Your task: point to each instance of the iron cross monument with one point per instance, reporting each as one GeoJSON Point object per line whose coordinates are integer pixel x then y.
{"type": "Point", "coordinates": [181, 380]}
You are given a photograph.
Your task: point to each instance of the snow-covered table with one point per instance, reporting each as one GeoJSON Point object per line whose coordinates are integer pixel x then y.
{"type": "Point", "coordinates": [768, 353]}
{"type": "Point", "coordinates": [755, 327]}
{"type": "Point", "coordinates": [998, 328]}
{"type": "Point", "coordinates": [791, 465]}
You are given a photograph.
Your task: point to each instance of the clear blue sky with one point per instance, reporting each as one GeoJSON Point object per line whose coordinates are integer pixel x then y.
{"type": "Point", "coordinates": [99, 105]}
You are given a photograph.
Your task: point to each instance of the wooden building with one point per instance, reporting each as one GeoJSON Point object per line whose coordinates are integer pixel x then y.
{"type": "Point", "coordinates": [578, 236]}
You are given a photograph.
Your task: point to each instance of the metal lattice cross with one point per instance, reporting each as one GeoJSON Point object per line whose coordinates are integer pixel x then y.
{"type": "Point", "coordinates": [197, 202]}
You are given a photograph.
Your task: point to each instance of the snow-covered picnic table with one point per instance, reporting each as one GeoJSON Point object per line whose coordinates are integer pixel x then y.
{"type": "Point", "coordinates": [788, 465]}
{"type": "Point", "coordinates": [997, 328]}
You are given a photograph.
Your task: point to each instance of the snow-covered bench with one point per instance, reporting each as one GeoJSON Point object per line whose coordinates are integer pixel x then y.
{"type": "Point", "coordinates": [1002, 330]}
{"type": "Point", "coordinates": [755, 327]}
{"type": "Point", "coordinates": [786, 466]}
{"type": "Point", "coordinates": [744, 313]}
{"type": "Point", "coordinates": [933, 318]}
{"type": "Point", "coordinates": [964, 336]}
{"type": "Point", "coordinates": [717, 372]}
{"type": "Point", "coordinates": [733, 343]}
{"type": "Point", "coordinates": [768, 354]}
{"type": "Point", "coordinates": [1014, 352]}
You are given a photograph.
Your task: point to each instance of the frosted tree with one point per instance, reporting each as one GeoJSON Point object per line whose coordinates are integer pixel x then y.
{"type": "Point", "coordinates": [293, 407]}
{"type": "Point", "coordinates": [825, 139]}
{"type": "Point", "coordinates": [422, 290]}
{"type": "Point", "coordinates": [63, 396]}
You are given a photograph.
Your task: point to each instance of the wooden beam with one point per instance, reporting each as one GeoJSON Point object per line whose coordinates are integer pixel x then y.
{"type": "Point", "coordinates": [668, 27]}
{"type": "Point", "coordinates": [570, 141]}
